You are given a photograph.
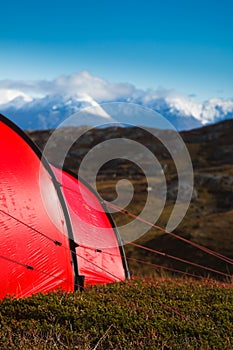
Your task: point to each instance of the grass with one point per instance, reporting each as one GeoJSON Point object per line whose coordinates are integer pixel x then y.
{"type": "Point", "coordinates": [138, 314]}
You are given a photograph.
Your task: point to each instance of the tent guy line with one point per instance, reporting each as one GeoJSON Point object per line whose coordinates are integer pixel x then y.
{"type": "Point", "coordinates": [32, 268]}
{"type": "Point", "coordinates": [168, 268]}
{"type": "Point", "coordinates": [196, 245]}
{"type": "Point", "coordinates": [59, 244]}
{"type": "Point", "coordinates": [138, 246]}
{"type": "Point", "coordinates": [187, 262]}
{"type": "Point", "coordinates": [206, 250]}
{"type": "Point", "coordinates": [32, 228]}
{"type": "Point", "coordinates": [181, 260]}
{"type": "Point", "coordinates": [29, 267]}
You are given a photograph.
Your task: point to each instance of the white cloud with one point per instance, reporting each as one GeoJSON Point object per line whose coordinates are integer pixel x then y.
{"type": "Point", "coordinates": [7, 95]}
{"type": "Point", "coordinates": [75, 84]}
{"type": "Point", "coordinates": [98, 88]}
{"type": "Point", "coordinates": [216, 108]}
{"type": "Point", "coordinates": [185, 106]}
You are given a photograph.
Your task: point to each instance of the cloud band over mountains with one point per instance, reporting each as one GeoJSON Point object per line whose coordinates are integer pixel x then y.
{"type": "Point", "coordinates": [36, 101]}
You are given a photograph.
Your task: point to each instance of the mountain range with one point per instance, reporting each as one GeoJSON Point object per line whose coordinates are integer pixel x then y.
{"type": "Point", "coordinates": [55, 101]}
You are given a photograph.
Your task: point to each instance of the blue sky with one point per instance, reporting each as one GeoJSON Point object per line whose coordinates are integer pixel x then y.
{"type": "Point", "coordinates": [182, 45]}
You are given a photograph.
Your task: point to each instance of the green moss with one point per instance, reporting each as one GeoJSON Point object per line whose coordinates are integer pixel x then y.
{"type": "Point", "coordinates": [137, 314]}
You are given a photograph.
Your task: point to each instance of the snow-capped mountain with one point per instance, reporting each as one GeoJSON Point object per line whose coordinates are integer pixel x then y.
{"type": "Point", "coordinates": [53, 102]}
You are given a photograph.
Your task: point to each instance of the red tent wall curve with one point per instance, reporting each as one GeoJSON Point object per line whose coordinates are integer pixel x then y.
{"type": "Point", "coordinates": [99, 249]}
{"type": "Point", "coordinates": [34, 246]}
{"type": "Point", "coordinates": [50, 237]}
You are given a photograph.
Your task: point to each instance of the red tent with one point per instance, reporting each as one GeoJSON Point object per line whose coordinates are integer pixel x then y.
{"type": "Point", "coordinates": [99, 249]}
{"type": "Point", "coordinates": [42, 245]}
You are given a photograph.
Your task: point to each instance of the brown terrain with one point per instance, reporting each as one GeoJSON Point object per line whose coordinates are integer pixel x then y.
{"type": "Point", "coordinates": [209, 219]}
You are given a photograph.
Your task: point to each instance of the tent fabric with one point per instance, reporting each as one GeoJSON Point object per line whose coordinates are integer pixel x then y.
{"type": "Point", "coordinates": [50, 237]}
{"type": "Point", "coordinates": [100, 254]}
{"type": "Point", "coordinates": [29, 228]}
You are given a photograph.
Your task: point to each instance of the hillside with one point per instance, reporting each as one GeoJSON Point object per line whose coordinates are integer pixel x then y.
{"type": "Point", "coordinates": [209, 218]}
